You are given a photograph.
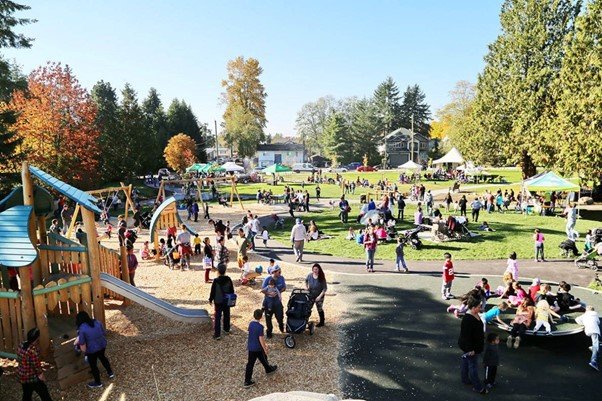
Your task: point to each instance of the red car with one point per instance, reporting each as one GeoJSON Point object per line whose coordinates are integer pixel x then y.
{"type": "Point", "coordinates": [366, 168]}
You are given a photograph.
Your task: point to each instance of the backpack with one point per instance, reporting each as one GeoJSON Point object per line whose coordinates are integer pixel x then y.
{"type": "Point", "coordinates": [220, 297]}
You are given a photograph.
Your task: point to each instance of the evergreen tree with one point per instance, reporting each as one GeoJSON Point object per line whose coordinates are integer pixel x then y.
{"type": "Point", "coordinates": [110, 140]}
{"type": "Point", "coordinates": [156, 127]}
{"type": "Point", "coordinates": [181, 119]}
{"type": "Point", "coordinates": [341, 149]}
{"type": "Point", "coordinates": [514, 103]}
{"type": "Point", "coordinates": [577, 130]}
{"type": "Point", "coordinates": [387, 108]}
{"type": "Point", "coordinates": [415, 107]}
{"type": "Point", "coordinates": [364, 133]}
{"type": "Point", "coordinates": [11, 79]}
{"type": "Point", "coordinates": [133, 134]}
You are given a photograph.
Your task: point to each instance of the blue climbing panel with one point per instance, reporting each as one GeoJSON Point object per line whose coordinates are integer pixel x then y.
{"type": "Point", "coordinates": [16, 248]}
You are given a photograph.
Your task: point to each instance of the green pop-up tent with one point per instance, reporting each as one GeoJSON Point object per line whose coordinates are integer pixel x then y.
{"type": "Point", "coordinates": [276, 168]}
{"type": "Point", "coordinates": [196, 167]}
{"type": "Point", "coordinates": [549, 181]}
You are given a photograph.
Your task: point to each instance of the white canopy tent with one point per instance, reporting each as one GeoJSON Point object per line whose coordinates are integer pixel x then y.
{"type": "Point", "coordinates": [410, 165]}
{"type": "Point", "coordinates": [452, 157]}
{"type": "Point", "coordinates": [232, 167]}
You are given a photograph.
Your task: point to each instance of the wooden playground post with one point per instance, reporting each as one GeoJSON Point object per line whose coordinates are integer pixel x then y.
{"type": "Point", "coordinates": [94, 260]}
{"type": "Point", "coordinates": [73, 221]}
{"type": "Point", "coordinates": [24, 272]}
{"type": "Point", "coordinates": [160, 193]}
{"type": "Point", "coordinates": [42, 230]}
{"type": "Point", "coordinates": [128, 196]}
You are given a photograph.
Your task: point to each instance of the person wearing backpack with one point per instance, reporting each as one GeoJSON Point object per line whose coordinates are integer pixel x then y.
{"type": "Point", "coordinates": [222, 291]}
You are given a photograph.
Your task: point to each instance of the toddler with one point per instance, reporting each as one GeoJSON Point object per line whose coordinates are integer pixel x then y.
{"type": "Point", "coordinates": [491, 359]}
{"type": "Point", "coordinates": [543, 316]}
{"type": "Point", "coordinates": [265, 236]}
{"type": "Point", "coordinates": [197, 244]}
{"type": "Point", "coordinates": [271, 295]}
{"type": "Point", "coordinates": [400, 260]}
{"type": "Point", "coordinates": [145, 252]}
{"type": "Point", "coordinates": [494, 313]}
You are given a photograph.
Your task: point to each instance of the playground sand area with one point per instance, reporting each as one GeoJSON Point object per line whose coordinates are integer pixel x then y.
{"type": "Point", "coordinates": [156, 358]}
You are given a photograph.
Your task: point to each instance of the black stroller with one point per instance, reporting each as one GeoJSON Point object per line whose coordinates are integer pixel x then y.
{"type": "Point", "coordinates": [130, 238]}
{"type": "Point", "coordinates": [298, 311]}
{"type": "Point", "coordinates": [410, 238]}
{"type": "Point", "coordinates": [567, 246]}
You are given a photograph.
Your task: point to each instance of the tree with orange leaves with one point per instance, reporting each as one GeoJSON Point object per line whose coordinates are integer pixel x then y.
{"type": "Point", "coordinates": [180, 152]}
{"type": "Point", "coordinates": [56, 125]}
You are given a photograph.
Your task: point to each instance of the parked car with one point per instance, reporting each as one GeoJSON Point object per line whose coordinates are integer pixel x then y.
{"type": "Point", "coordinates": [165, 174]}
{"type": "Point", "coordinates": [366, 168]}
{"type": "Point", "coordinates": [298, 167]}
{"type": "Point", "coordinates": [338, 169]}
{"type": "Point", "coordinates": [352, 166]}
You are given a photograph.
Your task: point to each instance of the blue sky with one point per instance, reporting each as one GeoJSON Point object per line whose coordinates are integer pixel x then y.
{"type": "Point", "coordinates": [307, 49]}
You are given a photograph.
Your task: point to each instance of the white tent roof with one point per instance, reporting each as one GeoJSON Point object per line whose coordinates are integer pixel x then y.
{"type": "Point", "coordinates": [231, 166]}
{"type": "Point", "coordinates": [410, 165]}
{"type": "Point", "coordinates": [453, 156]}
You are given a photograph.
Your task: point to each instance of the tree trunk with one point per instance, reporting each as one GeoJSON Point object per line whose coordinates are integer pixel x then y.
{"type": "Point", "coordinates": [527, 166]}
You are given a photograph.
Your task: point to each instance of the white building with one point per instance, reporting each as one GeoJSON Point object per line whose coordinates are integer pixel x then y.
{"type": "Point", "coordinates": [287, 153]}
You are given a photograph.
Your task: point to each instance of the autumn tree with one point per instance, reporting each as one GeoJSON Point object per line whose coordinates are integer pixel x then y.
{"type": "Point", "coordinates": [452, 123]}
{"type": "Point", "coordinates": [11, 79]}
{"type": "Point", "coordinates": [180, 152]}
{"type": "Point", "coordinates": [244, 97]}
{"type": "Point", "coordinates": [56, 124]}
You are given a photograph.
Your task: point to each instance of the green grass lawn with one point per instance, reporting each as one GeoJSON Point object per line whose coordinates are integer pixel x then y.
{"type": "Point", "coordinates": [513, 233]}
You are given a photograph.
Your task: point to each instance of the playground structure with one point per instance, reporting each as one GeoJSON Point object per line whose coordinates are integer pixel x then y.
{"type": "Point", "coordinates": [199, 185]}
{"type": "Point", "coordinates": [57, 277]}
{"type": "Point", "coordinates": [106, 202]}
{"type": "Point", "coordinates": [166, 216]}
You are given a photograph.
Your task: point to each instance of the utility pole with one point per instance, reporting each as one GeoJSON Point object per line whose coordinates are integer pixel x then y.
{"type": "Point", "coordinates": [412, 156]}
{"type": "Point", "coordinates": [216, 141]}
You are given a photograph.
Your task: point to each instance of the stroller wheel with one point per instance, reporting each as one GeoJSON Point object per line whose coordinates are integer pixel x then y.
{"type": "Point", "coordinates": [593, 265]}
{"type": "Point", "coordinates": [289, 341]}
{"type": "Point", "coordinates": [312, 328]}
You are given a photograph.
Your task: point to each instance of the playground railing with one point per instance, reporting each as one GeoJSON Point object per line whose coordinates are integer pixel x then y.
{"type": "Point", "coordinates": [111, 262]}
{"type": "Point", "coordinates": [69, 260]}
{"type": "Point", "coordinates": [11, 323]}
{"type": "Point", "coordinates": [60, 298]}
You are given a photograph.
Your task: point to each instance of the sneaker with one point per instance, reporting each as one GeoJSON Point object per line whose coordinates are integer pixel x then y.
{"type": "Point", "coordinates": [594, 366]}
{"type": "Point", "coordinates": [269, 335]}
{"type": "Point", "coordinates": [111, 375]}
{"type": "Point", "coordinates": [483, 391]}
{"type": "Point", "coordinates": [94, 385]}
{"type": "Point", "coordinates": [443, 297]}
{"type": "Point", "coordinates": [273, 369]}
{"type": "Point", "coordinates": [249, 384]}
{"type": "Point", "coordinates": [217, 337]}
{"type": "Point", "coordinates": [509, 341]}
{"type": "Point", "coordinates": [591, 348]}
{"type": "Point", "coordinates": [451, 296]}
{"type": "Point", "coordinates": [516, 342]}
{"type": "Point", "coordinates": [457, 314]}
{"type": "Point", "coordinates": [397, 270]}
{"type": "Point", "coordinates": [489, 386]}
{"type": "Point", "coordinates": [548, 333]}
{"type": "Point", "coordinates": [406, 270]}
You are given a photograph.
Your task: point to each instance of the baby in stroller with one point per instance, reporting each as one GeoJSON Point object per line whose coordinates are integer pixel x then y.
{"type": "Point", "coordinates": [298, 313]}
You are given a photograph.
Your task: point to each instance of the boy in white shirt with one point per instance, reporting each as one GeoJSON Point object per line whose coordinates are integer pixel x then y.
{"type": "Point", "coordinates": [591, 322]}
{"type": "Point", "coordinates": [265, 236]}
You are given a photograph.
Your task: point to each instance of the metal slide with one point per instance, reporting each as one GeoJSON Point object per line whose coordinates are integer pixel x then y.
{"type": "Point", "coordinates": [148, 301]}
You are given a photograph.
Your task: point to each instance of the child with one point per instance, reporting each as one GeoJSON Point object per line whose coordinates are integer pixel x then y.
{"type": "Point", "coordinates": [484, 284]}
{"type": "Point", "coordinates": [223, 254]}
{"type": "Point", "coordinates": [519, 294]}
{"type": "Point", "coordinates": [539, 241]}
{"type": "Point", "coordinates": [108, 229]}
{"type": "Point", "coordinates": [589, 243]}
{"type": "Point", "coordinates": [566, 301]}
{"type": "Point", "coordinates": [350, 234]}
{"type": "Point", "coordinates": [145, 252]}
{"type": "Point", "coordinates": [494, 313]}
{"type": "Point", "coordinates": [591, 321]}
{"type": "Point", "coordinates": [197, 244]}
{"type": "Point", "coordinates": [247, 274]}
{"type": "Point", "coordinates": [162, 247]}
{"type": "Point", "coordinates": [265, 236]}
{"type": "Point", "coordinates": [543, 316]}
{"type": "Point", "coordinates": [271, 295]}
{"type": "Point", "coordinates": [258, 349]}
{"type": "Point", "coordinates": [491, 359]}
{"type": "Point", "coordinates": [462, 308]}
{"type": "Point", "coordinates": [400, 261]}
{"type": "Point", "coordinates": [208, 258]}
{"type": "Point", "coordinates": [448, 277]}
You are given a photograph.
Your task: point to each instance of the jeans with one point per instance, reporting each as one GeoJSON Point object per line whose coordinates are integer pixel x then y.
{"type": "Point", "coordinates": [253, 357]}
{"type": "Point", "coordinates": [400, 214]}
{"type": "Point", "coordinates": [595, 347]}
{"type": "Point", "coordinates": [298, 249]}
{"type": "Point", "coordinates": [490, 372]}
{"type": "Point", "coordinates": [475, 215]}
{"type": "Point", "coordinates": [221, 309]}
{"type": "Point", "coordinates": [518, 330]}
{"type": "Point", "coordinates": [92, 360]}
{"type": "Point", "coordinates": [132, 275]}
{"type": "Point", "coordinates": [39, 387]}
{"type": "Point", "coordinates": [278, 311]}
{"type": "Point", "coordinates": [539, 251]}
{"type": "Point", "coordinates": [469, 371]}
{"type": "Point", "coordinates": [344, 216]}
{"type": "Point", "coordinates": [370, 258]}
{"type": "Point", "coordinates": [400, 262]}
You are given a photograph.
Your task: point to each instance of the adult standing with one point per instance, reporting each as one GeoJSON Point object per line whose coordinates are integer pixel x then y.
{"type": "Point", "coordinates": [370, 242]}
{"type": "Point", "coordinates": [221, 286]}
{"type": "Point", "coordinates": [31, 375]}
{"type": "Point", "coordinates": [318, 191]}
{"type": "Point", "coordinates": [66, 217]}
{"type": "Point", "coordinates": [462, 203]}
{"type": "Point", "coordinates": [571, 220]}
{"type": "Point", "coordinates": [243, 246]}
{"type": "Point", "coordinates": [306, 200]}
{"type": "Point", "coordinates": [476, 208]}
{"type": "Point", "coordinates": [277, 308]}
{"type": "Point", "coordinates": [401, 205]}
{"type": "Point", "coordinates": [137, 218]}
{"type": "Point", "coordinates": [298, 235]}
{"type": "Point", "coordinates": [429, 202]}
{"type": "Point", "coordinates": [471, 342]}
{"type": "Point", "coordinates": [315, 282]}
{"type": "Point", "coordinates": [345, 209]}
{"type": "Point", "coordinates": [195, 211]}
{"type": "Point", "coordinates": [255, 229]}
{"type": "Point", "coordinates": [93, 342]}
{"type": "Point", "coordinates": [448, 201]}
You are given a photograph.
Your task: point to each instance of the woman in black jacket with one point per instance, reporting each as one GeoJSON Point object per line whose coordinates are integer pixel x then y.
{"type": "Point", "coordinates": [471, 342]}
{"type": "Point", "coordinates": [221, 286]}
